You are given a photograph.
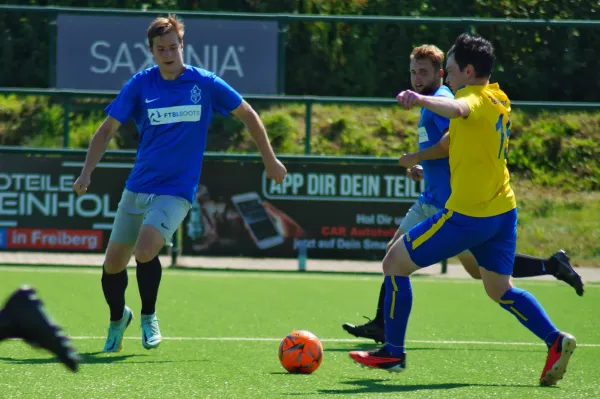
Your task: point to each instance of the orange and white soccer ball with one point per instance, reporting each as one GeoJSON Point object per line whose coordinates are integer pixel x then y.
{"type": "Point", "coordinates": [301, 352]}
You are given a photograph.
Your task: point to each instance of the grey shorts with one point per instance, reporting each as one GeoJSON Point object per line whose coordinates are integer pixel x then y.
{"type": "Point", "coordinates": [416, 214]}
{"type": "Point", "coordinates": [165, 212]}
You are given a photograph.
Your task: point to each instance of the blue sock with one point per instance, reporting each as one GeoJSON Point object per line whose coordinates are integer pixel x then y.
{"type": "Point", "coordinates": [398, 303]}
{"type": "Point", "coordinates": [530, 313]}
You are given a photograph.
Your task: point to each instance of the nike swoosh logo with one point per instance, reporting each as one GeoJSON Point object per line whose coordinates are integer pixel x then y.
{"type": "Point", "coordinates": [149, 101]}
{"type": "Point", "coordinates": [164, 227]}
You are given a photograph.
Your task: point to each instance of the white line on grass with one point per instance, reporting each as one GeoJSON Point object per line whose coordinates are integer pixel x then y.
{"type": "Point", "coordinates": [350, 340]}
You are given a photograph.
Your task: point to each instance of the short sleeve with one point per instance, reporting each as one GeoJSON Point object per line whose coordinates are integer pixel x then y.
{"type": "Point", "coordinates": [441, 123]}
{"type": "Point", "coordinates": [225, 98]}
{"type": "Point", "coordinates": [473, 100]}
{"type": "Point", "coordinates": [121, 108]}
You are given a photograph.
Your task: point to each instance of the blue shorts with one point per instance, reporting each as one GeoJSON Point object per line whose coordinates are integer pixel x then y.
{"type": "Point", "coordinates": [492, 240]}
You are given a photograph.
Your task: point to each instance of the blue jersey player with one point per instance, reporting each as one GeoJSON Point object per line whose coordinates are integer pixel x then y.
{"type": "Point", "coordinates": [480, 214]}
{"type": "Point", "coordinates": [426, 78]}
{"type": "Point", "coordinates": [172, 105]}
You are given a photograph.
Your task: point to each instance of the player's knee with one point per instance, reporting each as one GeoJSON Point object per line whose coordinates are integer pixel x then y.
{"type": "Point", "coordinates": [149, 244]}
{"type": "Point", "coordinates": [394, 265]}
{"type": "Point", "coordinates": [117, 257]}
{"type": "Point", "coordinates": [113, 267]}
{"type": "Point", "coordinates": [496, 292]}
{"type": "Point", "coordinates": [144, 254]}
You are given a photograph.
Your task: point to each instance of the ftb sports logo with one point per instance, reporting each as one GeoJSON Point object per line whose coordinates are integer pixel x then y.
{"type": "Point", "coordinates": [182, 113]}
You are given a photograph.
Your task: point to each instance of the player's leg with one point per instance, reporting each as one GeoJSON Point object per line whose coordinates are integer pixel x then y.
{"type": "Point", "coordinates": [496, 257]}
{"type": "Point", "coordinates": [558, 265]}
{"type": "Point", "coordinates": [374, 329]}
{"type": "Point", "coordinates": [126, 227]}
{"type": "Point", "coordinates": [163, 216]}
{"type": "Point", "coordinates": [470, 264]}
{"type": "Point", "coordinates": [429, 242]}
{"type": "Point", "coordinates": [23, 316]}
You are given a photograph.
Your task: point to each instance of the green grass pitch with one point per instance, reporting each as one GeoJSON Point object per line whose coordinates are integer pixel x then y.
{"type": "Point", "coordinates": [222, 331]}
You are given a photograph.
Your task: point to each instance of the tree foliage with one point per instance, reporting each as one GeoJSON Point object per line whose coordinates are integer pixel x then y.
{"type": "Point", "coordinates": [544, 62]}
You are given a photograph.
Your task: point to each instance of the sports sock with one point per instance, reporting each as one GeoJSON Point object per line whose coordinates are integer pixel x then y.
{"type": "Point", "coordinates": [148, 277]}
{"type": "Point", "coordinates": [530, 313]}
{"type": "Point", "coordinates": [379, 319]}
{"type": "Point", "coordinates": [529, 266]}
{"type": "Point", "coordinates": [113, 286]}
{"type": "Point", "coordinates": [5, 330]}
{"type": "Point", "coordinates": [398, 303]}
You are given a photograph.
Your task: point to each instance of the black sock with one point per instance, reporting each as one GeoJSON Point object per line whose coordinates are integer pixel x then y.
{"type": "Point", "coordinates": [379, 319]}
{"type": "Point", "coordinates": [5, 330]}
{"type": "Point", "coordinates": [529, 266]}
{"type": "Point", "coordinates": [148, 277]}
{"type": "Point", "coordinates": [114, 286]}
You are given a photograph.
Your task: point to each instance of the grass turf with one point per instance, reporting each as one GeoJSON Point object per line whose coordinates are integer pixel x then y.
{"type": "Point", "coordinates": [223, 329]}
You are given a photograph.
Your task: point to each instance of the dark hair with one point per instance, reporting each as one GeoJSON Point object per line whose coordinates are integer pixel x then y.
{"type": "Point", "coordinates": [163, 25]}
{"type": "Point", "coordinates": [474, 50]}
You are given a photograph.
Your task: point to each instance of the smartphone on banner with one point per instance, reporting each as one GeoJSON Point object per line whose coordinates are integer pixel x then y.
{"type": "Point", "coordinates": [259, 224]}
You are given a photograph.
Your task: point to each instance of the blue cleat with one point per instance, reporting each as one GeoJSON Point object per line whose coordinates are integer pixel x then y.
{"type": "Point", "coordinates": [114, 341]}
{"type": "Point", "coordinates": [151, 337]}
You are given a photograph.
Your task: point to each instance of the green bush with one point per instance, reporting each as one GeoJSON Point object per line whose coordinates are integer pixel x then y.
{"type": "Point", "coordinates": [558, 149]}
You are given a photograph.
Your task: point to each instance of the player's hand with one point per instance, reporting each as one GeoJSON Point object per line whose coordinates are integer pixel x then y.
{"type": "Point", "coordinates": [81, 184]}
{"type": "Point", "coordinates": [408, 160]}
{"type": "Point", "coordinates": [275, 170]}
{"type": "Point", "coordinates": [408, 99]}
{"type": "Point", "coordinates": [415, 173]}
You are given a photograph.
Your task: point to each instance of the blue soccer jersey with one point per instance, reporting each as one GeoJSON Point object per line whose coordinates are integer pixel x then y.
{"type": "Point", "coordinates": [436, 172]}
{"type": "Point", "coordinates": [172, 117]}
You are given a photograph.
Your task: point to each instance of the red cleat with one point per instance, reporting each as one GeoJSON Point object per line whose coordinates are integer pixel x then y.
{"type": "Point", "coordinates": [558, 357]}
{"type": "Point", "coordinates": [380, 358]}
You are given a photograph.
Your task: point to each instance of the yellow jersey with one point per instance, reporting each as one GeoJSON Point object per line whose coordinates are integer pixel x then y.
{"type": "Point", "coordinates": [479, 178]}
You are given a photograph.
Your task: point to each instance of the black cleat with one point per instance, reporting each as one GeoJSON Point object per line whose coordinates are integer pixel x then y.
{"type": "Point", "coordinates": [370, 330]}
{"type": "Point", "coordinates": [561, 269]}
{"type": "Point", "coordinates": [26, 318]}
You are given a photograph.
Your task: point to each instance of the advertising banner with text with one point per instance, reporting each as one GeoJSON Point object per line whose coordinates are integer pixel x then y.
{"type": "Point", "coordinates": [40, 212]}
{"type": "Point", "coordinates": [103, 52]}
{"type": "Point", "coordinates": [343, 211]}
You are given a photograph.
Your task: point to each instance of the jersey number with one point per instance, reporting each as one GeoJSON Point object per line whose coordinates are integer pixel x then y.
{"type": "Point", "coordinates": [504, 135]}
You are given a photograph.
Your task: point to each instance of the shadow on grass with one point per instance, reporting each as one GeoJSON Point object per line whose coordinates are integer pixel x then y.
{"type": "Point", "coordinates": [98, 358]}
{"type": "Point", "coordinates": [363, 386]}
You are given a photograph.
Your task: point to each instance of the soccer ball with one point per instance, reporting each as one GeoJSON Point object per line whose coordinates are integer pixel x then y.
{"type": "Point", "coordinates": [300, 352]}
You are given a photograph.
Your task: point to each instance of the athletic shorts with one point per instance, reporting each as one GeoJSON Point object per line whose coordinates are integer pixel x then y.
{"type": "Point", "coordinates": [492, 240]}
{"type": "Point", "coordinates": [416, 214]}
{"type": "Point", "coordinates": [165, 212]}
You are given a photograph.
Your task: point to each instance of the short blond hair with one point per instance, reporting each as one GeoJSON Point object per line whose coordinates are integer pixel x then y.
{"type": "Point", "coordinates": [429, 52]}
{"type": "Point", "coordinates": [164, 25]}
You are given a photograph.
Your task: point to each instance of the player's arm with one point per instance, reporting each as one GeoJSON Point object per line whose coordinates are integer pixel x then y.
{"type": "Point", "coordinates": [257, 130]}
{"type": "Point", "coordinates": [98, 145]}
{"type": "Point", "coordinates": [248, 115]}
{"type": "Point", "coordinates": [444, 106]}
{"type": "Point", "coordinates": [119, 111]}
{"type": "Point", "coordinates": [438, 151]}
